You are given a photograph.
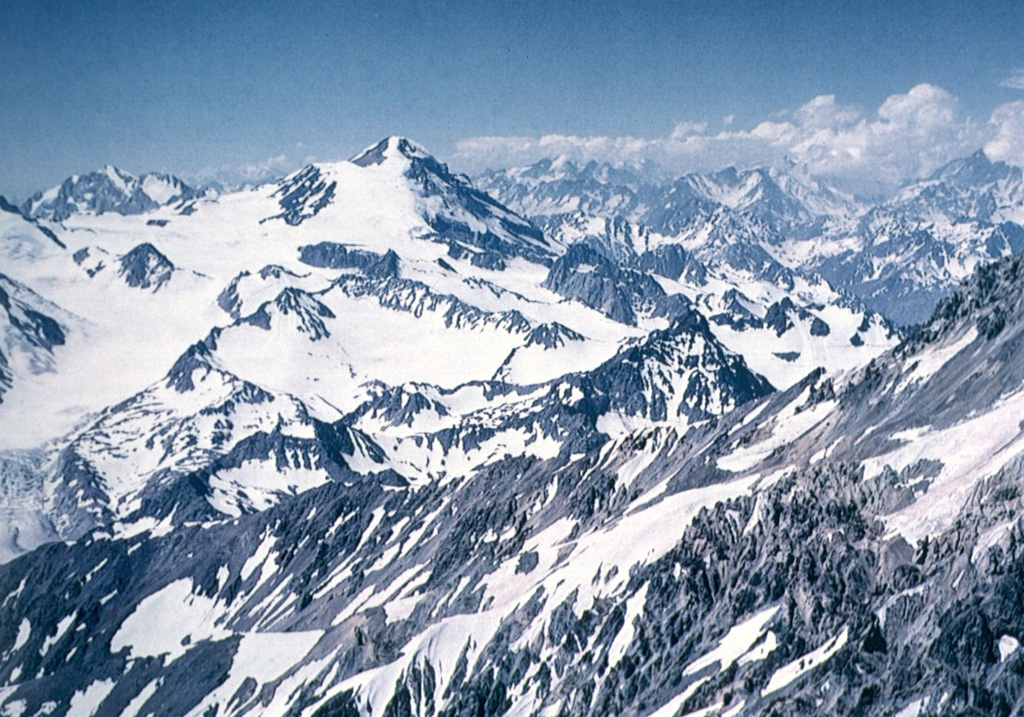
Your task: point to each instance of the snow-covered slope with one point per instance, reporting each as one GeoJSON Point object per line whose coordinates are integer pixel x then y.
{"type": "Point", "coordinates": [273, 375]}
{"type": "Point", "coordinates": [165, 271]}
{"type": "Point", "coordinates": [337, 289]}
{"type": "Point", "coordinates": [29, 333]}
{"type": "Point", "coordinates": [851, 544]}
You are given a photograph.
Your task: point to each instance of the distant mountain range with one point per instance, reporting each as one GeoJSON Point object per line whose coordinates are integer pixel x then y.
{"type": "Point", "coordinates": [898, 256]}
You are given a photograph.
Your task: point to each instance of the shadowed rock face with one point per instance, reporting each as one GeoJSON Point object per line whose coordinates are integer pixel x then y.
{"type": "Point", "coordinates": [38, 329]}
{"type": "Point", "coordinates": [306, 311]}
{"type": "Point", "coordinates": [6, 206]}
{"type": "Point", "coordinates": [552, 336]}
{"type": "Point", "coordinates": [682, 371]}
{"type": "Point", "coordinates": [588, 277]}
{"type": "Point", "coordinates": [144, 267]}
{"type": "Point", "coordinates": [673, 262]}
{"type": "Point", "coordinates": [332, 255]}
{"type": "Point", "coordinates": [304, 195]}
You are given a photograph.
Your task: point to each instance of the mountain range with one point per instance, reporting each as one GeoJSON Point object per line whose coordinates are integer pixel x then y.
{"type": "Point", "coordinates": [898, 256]}
{"type": "Point", "coordinates": [379, 438]}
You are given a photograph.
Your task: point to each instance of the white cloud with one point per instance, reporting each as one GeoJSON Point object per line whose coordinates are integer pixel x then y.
{"type": "Point", "coordinates": [685, 129]}
{"type": "Point", "coordinates": [909, 135]}
{"type": "Point", "coordinates": [1007, 133]}
{"type": "Point", "coordinates": [1015, 81]}
{"type": "Point", "coordinates": [823, 112]}
{"type": "Point", "coordinates": [250, 173]}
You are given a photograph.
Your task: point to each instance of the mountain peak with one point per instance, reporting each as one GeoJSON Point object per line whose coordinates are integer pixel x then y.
{"type": "Point", "coordinates": [123, 181]}
{"type": "Point", "coordinates": [112, 171]}
{"type": "Point", "coordinates": [971, 170]}
{"type": "Point", "coordinates": [145, 267]}
{"type": "Point", "coordinates": [979, 156]}
{"type": "Point", "coordinates": [390, 147]}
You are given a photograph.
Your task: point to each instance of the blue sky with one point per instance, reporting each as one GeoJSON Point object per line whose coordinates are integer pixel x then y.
{"type": "Point", "coordinates": [196, 87]}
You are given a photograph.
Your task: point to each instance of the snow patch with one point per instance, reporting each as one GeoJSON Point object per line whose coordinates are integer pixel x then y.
{"type": "Point", "coordinates": [1007, 646]}
{"type": "Point", "coordinates": [24, 631]}
{"type": "Point", "coordinates": [185, 618]}
{"type": "Point", "coordinates": [735, 644]}
{"type": "Point", "coordinates": [787, 674]}
{"type": "Point", "coordinates": [88, 702]}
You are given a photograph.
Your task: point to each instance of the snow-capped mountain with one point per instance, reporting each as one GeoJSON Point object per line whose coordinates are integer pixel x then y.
{"type": "Point", "coordinates": [971, 188]}
{"type": "Point", "coordinates": [561, 186]}
{"type": "Point", "coordinates": [906, 253]}
{"type": "Point", "coordinates": [776, 198]}
{"type": "Point", "coordinates": [455, 213]}
{"type": "Point", "coordinates": [108, 190]}
{"type": "Point", "coordinates": [366, 440]}
{"type": "Point", "coordinates": [899, 257]}
{"type": "Point", "coordinates": [730, 260]}
{"type": "Point", "coordinates": [821, 549]}
{"type": "Point", "coordinates": [509, 327]}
